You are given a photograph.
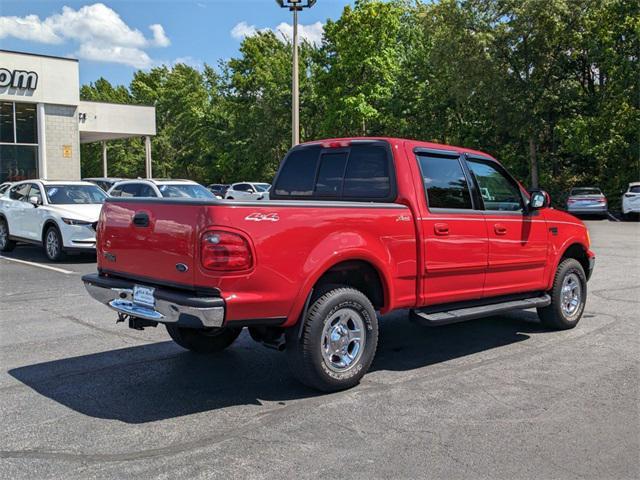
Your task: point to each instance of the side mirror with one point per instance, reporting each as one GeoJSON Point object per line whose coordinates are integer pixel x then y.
{"type": "Point", "coordinates": [35, 201]}
{"type": "Point", "coordinates": [539, 199]}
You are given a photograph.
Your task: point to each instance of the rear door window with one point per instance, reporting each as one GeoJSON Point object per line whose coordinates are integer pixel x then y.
{"type": "Point", "coordinates": [444, 181]}
{"type": "Point", "coordinates": [19, 192]}
{"type": "Point", "coordinates": [356, 172]}
{"type": "Point", "coordinates": [130, 190]}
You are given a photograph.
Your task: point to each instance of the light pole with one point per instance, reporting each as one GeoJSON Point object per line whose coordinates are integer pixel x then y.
{"type": "Point", "coordinates": [295, 6]}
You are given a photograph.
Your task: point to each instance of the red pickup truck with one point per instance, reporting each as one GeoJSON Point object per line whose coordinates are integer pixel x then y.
{"type": "Point", "coordinates": [353, 227]}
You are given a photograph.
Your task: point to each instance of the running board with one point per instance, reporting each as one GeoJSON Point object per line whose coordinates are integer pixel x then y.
{"type": "Point", "coordinates": [434, 319]}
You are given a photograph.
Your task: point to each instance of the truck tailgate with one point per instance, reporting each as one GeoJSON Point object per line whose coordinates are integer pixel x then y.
{"type": "Point", "coordinates": [137, 238]}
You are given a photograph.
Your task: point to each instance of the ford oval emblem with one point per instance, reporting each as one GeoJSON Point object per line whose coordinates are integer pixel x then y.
{"type": "Point", "coordinates": [181, 267]}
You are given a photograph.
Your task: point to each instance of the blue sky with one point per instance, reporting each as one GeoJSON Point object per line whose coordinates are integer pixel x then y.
{"type": "Point", "coordinates": [114, 38]}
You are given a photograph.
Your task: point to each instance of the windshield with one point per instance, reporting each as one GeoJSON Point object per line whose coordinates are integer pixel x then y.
{"type": "Point", "coordinates": [634, 189]}
{"type": "Point", "coordinates": [586, 191]}
{"type": "Point", "coordinates": [75, 194]}
{"type": "Point", "coordinates": [184, 191]}
{"type": "Point", "coordinates": [262, 187]}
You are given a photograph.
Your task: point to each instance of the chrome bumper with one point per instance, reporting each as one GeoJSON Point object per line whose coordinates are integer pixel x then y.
{"type": "Point", "coordinates": [170, 306]}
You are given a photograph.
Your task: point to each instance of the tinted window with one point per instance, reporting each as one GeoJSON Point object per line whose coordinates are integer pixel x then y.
{"type": "Point", "coordinates": [297, 176]}
{"type": "Point", "coordinates": [634, 189]}
{"type": "Point", "coordinates": [330, 174]}
{"type": "Point", "coordinates": [367, 173]}
{"type": "Point", "coordinates": [497, 190]}
{"type": "Point", "coordinates": [444, 182]}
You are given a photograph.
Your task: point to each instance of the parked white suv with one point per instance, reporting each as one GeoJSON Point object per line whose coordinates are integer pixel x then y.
{"type": "Point", "coordinates": [61, 216]}
{"type": "Point", "coordinates": [631, 200]}
{"type": "Point", "coordinates": [248, 191]}
{"type": "Point", "coordinates": [152, 188]}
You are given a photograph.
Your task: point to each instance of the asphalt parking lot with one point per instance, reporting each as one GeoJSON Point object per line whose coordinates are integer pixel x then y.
{"type": "Point", "coordinates": [84, 398]}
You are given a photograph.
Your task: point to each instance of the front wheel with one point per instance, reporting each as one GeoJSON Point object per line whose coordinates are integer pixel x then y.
{"type": "Point", "coordinates": [53, 244]}
{"type": "Point", "coordinates": [207, 340]}
{"type": "Point", "coordinates": [568, 297]}
{"type": "Point", "coordinates": [337, 341]}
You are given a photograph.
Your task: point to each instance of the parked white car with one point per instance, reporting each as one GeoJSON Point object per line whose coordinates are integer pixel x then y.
{"type": "Point", "coordinates": [248, 191]}
{"type": "Point", "coordinates": [631, 200]}
{"type": "Point", "coordinates": [152, 188]}
{"type": "Point", "coordinates": [61, 216]}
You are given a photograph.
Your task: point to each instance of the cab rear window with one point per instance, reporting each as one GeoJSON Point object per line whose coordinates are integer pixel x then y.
{"type": "Point", "coordinates": [353, 173]}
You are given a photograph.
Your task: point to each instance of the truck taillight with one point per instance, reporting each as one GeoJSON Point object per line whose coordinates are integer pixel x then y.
{"type": "Point", "coordinates": [225, 251]}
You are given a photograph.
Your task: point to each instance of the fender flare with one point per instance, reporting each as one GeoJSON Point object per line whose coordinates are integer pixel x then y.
{"type": "Point", "coordinates": [359, 254]}
{"type": "Point", "coordinates": [559, 254]}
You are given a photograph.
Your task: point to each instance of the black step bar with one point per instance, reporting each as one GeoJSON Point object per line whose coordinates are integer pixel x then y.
{"type": "Point", "coordinates": [434, 319]}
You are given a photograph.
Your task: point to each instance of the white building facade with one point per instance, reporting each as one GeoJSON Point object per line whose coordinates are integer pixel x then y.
{"type": "Point", "coordinates": [43, 121]}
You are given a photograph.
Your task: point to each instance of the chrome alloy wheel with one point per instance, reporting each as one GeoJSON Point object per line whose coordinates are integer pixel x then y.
{"type": "Point", "coordinates": [343, 339]}
{"type": "Point", "coordinates": [53, 244]}
{"type": "Point", "coordinates": [571, 295]}
{"type": "Point", "coordinates": [4, 234]}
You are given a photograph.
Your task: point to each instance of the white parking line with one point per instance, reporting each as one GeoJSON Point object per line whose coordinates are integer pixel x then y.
{"type": "Point", "coordinates": [39, 265]}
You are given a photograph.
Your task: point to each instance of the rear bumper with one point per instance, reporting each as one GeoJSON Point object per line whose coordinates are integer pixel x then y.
{"type": "Point", "coordinates": [600, 209]}
{"type": "Point", "coordinates": [171, 305]}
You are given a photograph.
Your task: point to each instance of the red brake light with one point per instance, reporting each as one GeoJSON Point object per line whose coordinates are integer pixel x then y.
{"type": "Point", "coordinates": [225, 251]}
{"type": "Point", "coordinates": [335, 144]}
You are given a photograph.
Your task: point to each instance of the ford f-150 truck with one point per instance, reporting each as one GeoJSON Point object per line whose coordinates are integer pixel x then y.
{"type": "Point", "coordinates": [353, 227]}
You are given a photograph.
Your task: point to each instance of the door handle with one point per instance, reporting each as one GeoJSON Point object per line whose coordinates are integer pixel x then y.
{"type": "Point", "coordinates": [141, 219]}
{"type": "Point", "coordinates": [441, 229]}
{"type": "Point", "coordinates": [499, 229]}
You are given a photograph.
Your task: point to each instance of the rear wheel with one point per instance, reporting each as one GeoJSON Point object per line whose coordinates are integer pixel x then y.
{"type": "Point", "coordinates": [53, 244]}
{"type": "Point", "coordinates": [207, 340]}
{"type": "Point", "coordinates": [337, 343]}
{"type": "Point", "coordinates": [568, 297]}
{"type": "Point", "coordinates": [6, 245]}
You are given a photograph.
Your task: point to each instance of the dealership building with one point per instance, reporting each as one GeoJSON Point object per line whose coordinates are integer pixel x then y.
{"type": "Point", "coordinates": [43, 121]}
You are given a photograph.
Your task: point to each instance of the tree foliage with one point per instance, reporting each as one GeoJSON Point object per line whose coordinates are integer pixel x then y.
{"type": "Point", "coordinates": [549, 87]}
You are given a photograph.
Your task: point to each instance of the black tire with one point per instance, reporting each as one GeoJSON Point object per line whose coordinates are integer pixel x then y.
{"type": "Point", "coordinates": [306, 342]}
{"type": "Point", "coordinates": [6, 245]}
{"type": "Point", "coordinates": [555, 316]}
{"type": "Point", "coordinates": [54, 254]}
{"type": "Point", "coordinates": [208, 340]}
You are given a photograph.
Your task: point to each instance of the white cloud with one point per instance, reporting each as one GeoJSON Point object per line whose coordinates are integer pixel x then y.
{"type": "Point", "coordinates": [311, 33]}
{"type": "Point", "coordinates": [99, 31]}
{"type": "Point", "coordinates": [160, 38]}
{"type": "Point", "coordinates": [131, 56]}
{"type": "Point", "coordinates": [242, 30]}
{"type": "Point", "coordinates": [27, 28]}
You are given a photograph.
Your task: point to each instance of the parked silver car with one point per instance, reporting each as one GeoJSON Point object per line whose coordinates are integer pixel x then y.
{"type": "Point", "coordinates": [587, 200]}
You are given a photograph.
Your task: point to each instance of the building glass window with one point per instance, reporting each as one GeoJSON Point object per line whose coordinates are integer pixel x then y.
{"type": "Point", "coordinates": [26, 123]}
{"type": "Point", "coordinates": [6, 122]}
{"type": "Point", "coordinates": [18, 141]}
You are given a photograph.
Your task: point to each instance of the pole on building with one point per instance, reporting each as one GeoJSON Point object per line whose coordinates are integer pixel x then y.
{"type": "Point", "coordinates": [104, 159]}
{"type": "Point", "coordinates": [147, 156]}
{"type": "Point", "coordinates": [295, 110]}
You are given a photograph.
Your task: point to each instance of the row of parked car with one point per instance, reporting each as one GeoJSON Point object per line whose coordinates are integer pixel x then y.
{"type": "Point", "coordinates": [62, 216]}
{"type": "Point", "coordinates": [591, 201]}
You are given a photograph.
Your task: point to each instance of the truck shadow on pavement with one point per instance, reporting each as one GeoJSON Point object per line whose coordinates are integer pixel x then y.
{"type": "Point", "coordinates": [159, 381]}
